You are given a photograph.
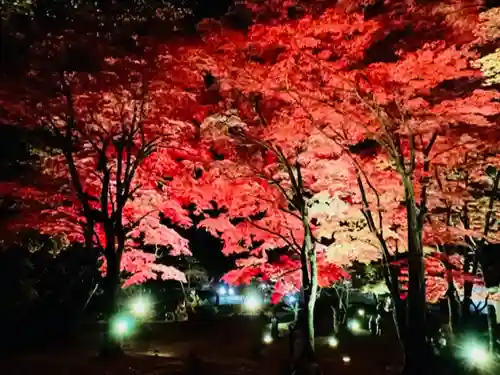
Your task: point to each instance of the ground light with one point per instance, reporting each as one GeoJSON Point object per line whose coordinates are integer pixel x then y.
{"type": "Point", "coordinates": [476, 354]}
{"type": "Point", "coordinates": [333, 342]}
{"type": "Point", "coordinates": [122, 326]}
{"type": "Point", "coordinates": [267, 338]}
{"type": "Point", "coordinates": [252, 303]}
{"type": "Point", "coordinates": [346, 359]}
{"type": "Point", "coordinates": [140, 306]}
{"type": "Point", "coordinates": [230, 291]}
{"type": "Point", "coordinates": [222, 291]}
{"type": "Point", "coordinates": [291, 299]}
{"type": "Point", "coordinates": [442, 341]}
{"type": "Point", "coordinates": [354, 326]}
{"type": "Point", "coordinates": [361, 312]}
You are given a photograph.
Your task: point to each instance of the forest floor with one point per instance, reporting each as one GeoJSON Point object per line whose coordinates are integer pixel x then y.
{"type": "Point", "coordinates": [223, 348]}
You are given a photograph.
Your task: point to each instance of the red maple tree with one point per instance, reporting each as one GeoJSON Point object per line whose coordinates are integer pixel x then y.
{"type": "Point", "coordinates": [269, 208]}
{"type": "Point", "coordinates": [110, 160]}
{"type": "Point", "coordinates": [395, 92]}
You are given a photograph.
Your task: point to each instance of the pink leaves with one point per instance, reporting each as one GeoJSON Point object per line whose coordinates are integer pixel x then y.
{"type": "Point", "coordinates": [329, 272]}
{"type": "Point", "coordinates": [141, 267]}
{"type": "Point", "coordinates": [241, 276]}
{"type": "Point", "coordinates": [156, 233]}
{"type": "Point", "coordinates": [285, 274]}
{"type": "Point", "coordinates": [118, 169]}
{"type": "Point", "coordinates": [438, 275]}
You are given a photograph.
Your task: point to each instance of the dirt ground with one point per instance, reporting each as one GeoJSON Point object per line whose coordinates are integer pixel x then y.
{"type": "Point", "coordinates": [222, 347]}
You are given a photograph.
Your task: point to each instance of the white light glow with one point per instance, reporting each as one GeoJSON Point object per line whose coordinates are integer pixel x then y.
{"type": "Point", "coordinates": [231, 292]}
{"type": "Point", "coordinates": [354, 326]}
{"type": "Point", "coordinates": [267, 339]}
{"type": "Point", "coordinates": [140, 306]}
{"type": "Point", "coordinates": [122, 326]}
{"type": "Point", "coordinates": [361, 312]}
{"type": "Point", "coordinates": [346, 359]}
{"type": "Point", "coordinates": [253, 303]}
{"type": "Point", "coordinates": [222, 291]}
{"type": "Point", "coordinates": [333, 342]}
{"type": "Point", "coordinates": [477, 354]}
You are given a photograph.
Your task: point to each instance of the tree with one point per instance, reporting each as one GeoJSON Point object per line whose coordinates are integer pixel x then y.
{"type": "Point", "coordinates": [110, 163]}
{"type": "Point", "coordinates": [467, 193]}
{"type": "Point", "coordinates": [273, 223]}
{"type": "Point", "coordinates": [488, 34]}
{"type": "Point", "coordinates": [398, 116]}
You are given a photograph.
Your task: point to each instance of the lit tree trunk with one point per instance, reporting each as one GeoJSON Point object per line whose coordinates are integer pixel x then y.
{"type": "Point", "coordinates": [471, 265]}
{"type": "Point", "coordinates": [309, 268]}
{"type": "Point", "coordinates": [302, 343]}
{"type": "Point", "coordinates": [453, 304]}
{"type": "Point", "coordinates": [110, 345]}
{"type": "Point", "coordinates": [115, 243]}
{"type": "Point", "coordinates": [416, 348]}
{"type": "Point", "coordinates": [303, 338]}
{"type": "Point", "coordinates": [492, 327]}
{"type": "Point", "coordinates": [312, 292]}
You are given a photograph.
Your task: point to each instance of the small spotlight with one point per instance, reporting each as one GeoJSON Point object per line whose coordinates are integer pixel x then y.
{"type": "Point", "coordinates": [291, 299]}
{"type": "Point", "coordinates": [253, 303]}
{"type": "Point", "coordinates": [267, 339]}
{"type": "Point", "coordinates": [122, 326]}
{"type": "Point", "coordinates": [361, 312]}
{"type": "Point", "coordinates": [230, 291]}
{"type": "Point", "coordinates": [222, 291]}
{"type": "Point", "coordinates": [354, 326]}
{"type": "Point", "coordinates": [333, 342]}
{"type": "Point", "coordinates": [476, 354]}
{"type": "Point", "coordinates": [140, 307]}
{"type": "Point", "coordinates": [346, 359]}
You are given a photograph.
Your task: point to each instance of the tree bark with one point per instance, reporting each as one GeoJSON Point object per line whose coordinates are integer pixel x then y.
{"type": "Point", "coordinates": [311, 303]}
{"type": "Point", "coordinates": [335, 320]}
{"type": "Point", "coordinates": [417, 353]}
{"type": "Point", "coordinates": [465, 312]}
{"type": "Point", "coordinates": [453, 310]}
{"type": "Point", "coordinates": [111, 345]}
{"type": "Point", "coordinates": [492, 327]}
{"type": "Point", "coordinates": [305, 333]}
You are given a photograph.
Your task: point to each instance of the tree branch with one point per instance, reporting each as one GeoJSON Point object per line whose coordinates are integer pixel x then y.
{"type": "Point", "coordinates": [288, 242]}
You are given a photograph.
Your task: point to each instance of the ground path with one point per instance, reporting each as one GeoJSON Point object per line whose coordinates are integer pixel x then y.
{"type": "Point", "coordinates": [223, 347]}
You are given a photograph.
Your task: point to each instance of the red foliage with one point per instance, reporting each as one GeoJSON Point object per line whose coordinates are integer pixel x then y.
{"type": "Point", "coordinates": [122, 144]}
{"type": "Point", "coordinates": [284, 273]}
{"type": "Point", "coordinates": [316, 88]}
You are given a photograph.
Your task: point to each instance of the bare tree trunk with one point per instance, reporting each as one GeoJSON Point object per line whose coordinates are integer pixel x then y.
{"type": "Point", "coordinates": [111, 345]}
{"type": "Point", "coordinates": [465, 312]}
{"type": "Point", "coordinates": [335, 320]}
{"type": "Point", "coordinates": [453, 308]}
{"type": "Point", "coordinates": [304, 348]}
{"type": "Point", "coordinates": [417, 352]}
{"type": "Point", "coordinates": [492, 327]}
{"type": "Point", "coordinates": [312, 295]}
